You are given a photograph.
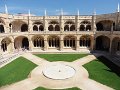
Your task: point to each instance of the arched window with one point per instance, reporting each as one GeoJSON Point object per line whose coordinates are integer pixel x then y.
{"type": "Point", "coordinates": [99, 26]}
{"type": "Point", "coordinates": [24, 28]}
{"type": "Point", "coordinates": [85, 41]}
{"type": "Point", "coordinates": [69, 41]}
{"type": "Point", "coordinates": [66, 28]}
{"type": "Point", "coordinates": [85, 26]}
{"type": "Point", "coordinates": [88, 27]}
{"type": "Point", "coordinates": [54, 26]}
{"type": "Point", "coordinates": [35, 28]}
{"type": "Point", "coordinates": [50, 28]}
{"type": "Point", "coordinates": [72, 28]}
{"type": "Point", "coordinates": [38, 26]}
{"type": "Point", "coordinates": [5, 43]}
{"type": "Point", "coordinates": [69, 26]}
{"type": "Point", "coordinates": [54, 41]}
{"type": "Point", "coordinates": [2, 29]}
{"type": "Point", "coordinates": [57, 28]}
{"type": "Point", "coordinates": [41, 28]}
{"type": "Point", "coordinates": [38, 42]}
{"type": "Point", "coordinates": [82, 28]}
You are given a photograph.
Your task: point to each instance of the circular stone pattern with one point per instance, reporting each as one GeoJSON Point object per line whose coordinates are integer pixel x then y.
{"type": "Point", "coordinates": [59, 72]}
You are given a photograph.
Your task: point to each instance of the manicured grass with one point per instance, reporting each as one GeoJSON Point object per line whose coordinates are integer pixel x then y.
{"type": "Point", "coordinates": [41, 88]}
{"type": "Point", "coordinates": [61, 57]}
{"type": "Point", "coordinates": [101, 70]}
{"type": "Point", "coordinates": [17, 70]}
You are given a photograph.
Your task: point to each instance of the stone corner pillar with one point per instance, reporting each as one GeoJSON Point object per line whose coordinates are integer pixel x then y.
{"type": "Point", "coordinates": [45, 44]}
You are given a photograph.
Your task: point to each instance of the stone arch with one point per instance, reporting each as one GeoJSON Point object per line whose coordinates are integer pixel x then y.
{"type": "Point", "coordinates": [2, 21]}
{"type": "Point", "coordinates": [6, 44]}
{"type": "Point", "coordinates": [66, 28]}
{"type": "Point", "coordinates": [19, 25]}
{"type": "Point", "coordinates": [24, 28]}
{"type": "Point", "coordinates": [2, 29]}
{"type": "Point", "coordinates": [85, 41]}
{"type": "Point", "coordinates": [41, 28]}
{"type": "Point", "coordinates": [35, 28]}
{"type": "Point", "coordinates": [105, 25]}
{"type": "Point", "coordinates": [38, 41]}
{"type": "Point", "coordinates": [69, 26]}
{"type": "Point", "coordinates": [99, 26]}
{"type": "Point", "coordinates": [70, 41]}
{"type": "Point", "coordinates": [38, 26]}
{"type": "Point", "coordinates": [57, 28]}
{"type": "Point", "coordinates": [102, 43]}
{"type": "Point", "coordinates": [115, 45]}
{"type": "Point", "coordinates": [82, 28]}
{"type": "Point", "coordinates": [85, 26]}
{"type": "Point", "coordinates": [21, 42]}
{"type": "Point", "coordinates": [50, 28]}
{"type": "Point", "coordinates": [54, 26]}
{"type": "Point", "coordinates": [54, 41]}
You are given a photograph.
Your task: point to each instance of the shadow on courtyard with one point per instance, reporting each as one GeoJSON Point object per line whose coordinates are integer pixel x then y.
{"type": "Point", "coordinates": [113, 67]}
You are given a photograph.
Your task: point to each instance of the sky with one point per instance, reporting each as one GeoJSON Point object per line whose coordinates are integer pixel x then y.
{"type": "Point", "coordinates": [53, 7]}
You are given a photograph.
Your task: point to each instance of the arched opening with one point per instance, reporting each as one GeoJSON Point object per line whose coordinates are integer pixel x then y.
{"type": "Point", "coordinates": [115, 45]}
{"type": "Point", "coordinates": [54, 26]}
{"type": "Point", "coordinates": [50, 28]}
{"type": "Point", "coordinates": [102, 43]}
{"type": "Point", "coordinates": [57, 28]}
{"type": "Point", "coordinates": [104, 25]}
{"type": "Point", "coordinates": [70, 41]}
{"type": "Point", "coordinates": [24, 28]}
{"type": "Point", "coordinates": [66, 28]}
{"type": "Point", "coordinates": [2, 29]}
{"type": "Point", "coordinates": [69, 26]}
{"type": "Point", "coordinates": [38, 26]}
{"type": "Point", "coordinates": [25, 43]}
{"type": "Point", "coordinates": [85, 41]}
{"type": "Point", "coordinates": [5, 44]}
{"type": "Point", "coordinates": [82, 28]}
{"type": "Point", "coordinates": [72, 28]}
{"type": "Point", "coordinates": [99, 26]}
{"type": "Point", "coordinates": [54, 41]}
{"type": "Point", "coordinates": [35, 28]}
{"type": "Point", "coordinates": [41, 28]}
{"type": "Point", "coordinates": [38, 41]}
{"type": "Point", "coordinates": [21, 42]}
{"type": "Point", "coordinates": [85, 26]}
{"type": "Point", "coordinates": [19, 26]}
{"type": "Point", "coordinates": [88, 27]}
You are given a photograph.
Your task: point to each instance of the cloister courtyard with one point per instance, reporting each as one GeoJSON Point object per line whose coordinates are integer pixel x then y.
{"type": "Point", "coordinates": [60, 52]}
{"type": "Point", "coordinates": [67, 71]}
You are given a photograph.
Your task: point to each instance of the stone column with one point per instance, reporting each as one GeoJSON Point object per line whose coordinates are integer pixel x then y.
{"type": "Point", "coordinates": [61, 24]}
{"type": "Point", "coordinates": [45, 43]}
{"type": "Point", "coordinates": [61, 43]}
{"type": "Point", "coordinates": [12, 47]}
{"type": "Point", "coordinates": [30, 26]}
{"type": "Point", "coordinates": [110, 49]}
{"type": "Point", "coordinates": [77, 23]}
{"type": "Point", "coordinates": [0, 47]}
{"type": "Point", "coordinates": [77, 43]}
{"type": "Point", "coordinates": [30, 45]}
{"type": "Point", "coordinates": [92, 43]}
{"type": "Point", "coordinates": [45, 24]}
{"type": "Point", "coordinates": [94, 22]}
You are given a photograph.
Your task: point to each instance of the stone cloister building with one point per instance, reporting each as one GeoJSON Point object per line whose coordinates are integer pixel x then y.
{"type": "Point", "coordinates": [61, 33]}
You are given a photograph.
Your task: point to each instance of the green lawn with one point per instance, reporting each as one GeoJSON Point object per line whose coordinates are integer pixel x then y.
{"type": "Point", "coordinates": [100, 72]}
{"type": "Point", "coordinates": [41, 88]}
{"type": "Point", "coordinates": [61, 57]}
{"type": "Point", "coordinates": [15, 71]}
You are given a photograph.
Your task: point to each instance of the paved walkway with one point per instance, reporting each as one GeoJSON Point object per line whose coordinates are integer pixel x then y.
{"type": "Point", "coordinates": [36, 77]}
